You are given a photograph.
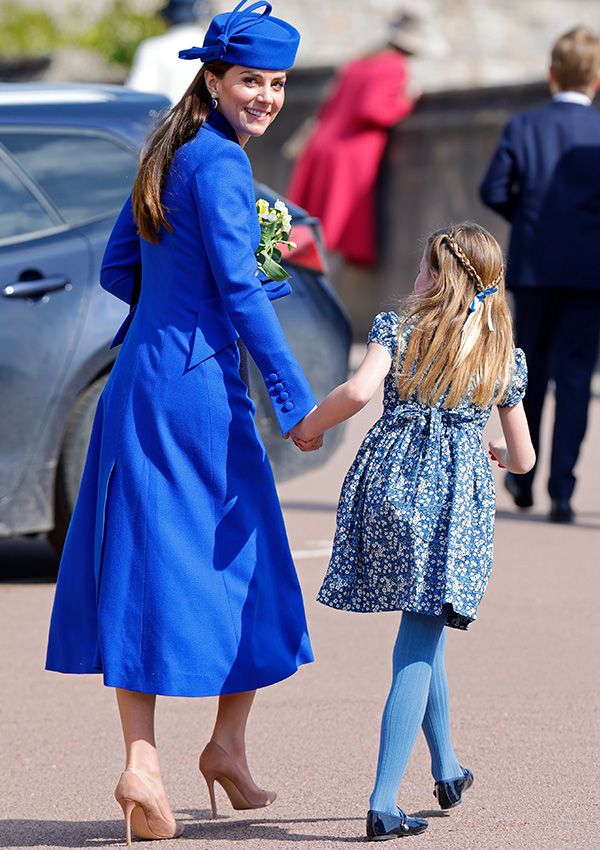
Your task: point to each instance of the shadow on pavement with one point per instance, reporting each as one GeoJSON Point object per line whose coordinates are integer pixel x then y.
{"type": "Point", "coordinates": [431, 813]}
{"type": "Point", "coordinates": [109, 833]}
{"type": "Point", "coordinates": [326, 507]}
{"type": "Point", "coordinates": [27, 559]}
{"type": "Point", "coordinates": [56, 833]}
{"type": "Point", "coordinates": [583, 519]}
{"type": "Point", "coordinates": [267, 829]}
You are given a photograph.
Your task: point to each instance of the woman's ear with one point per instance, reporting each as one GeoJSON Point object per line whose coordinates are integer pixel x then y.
{"type": "Point", "coordinates": [434, 275]}
{"type": "Point", "coordinates": [211, 81]}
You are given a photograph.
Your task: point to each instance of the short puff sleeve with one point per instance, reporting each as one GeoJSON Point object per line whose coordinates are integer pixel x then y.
{"type": "Point", "coordinates": [516, 391]}
{"type": "Point", "coordinates": [385, 332]}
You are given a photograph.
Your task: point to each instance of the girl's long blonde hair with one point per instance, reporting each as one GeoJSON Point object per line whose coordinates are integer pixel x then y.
{"type": "Point", "coordinates": [443, 355]}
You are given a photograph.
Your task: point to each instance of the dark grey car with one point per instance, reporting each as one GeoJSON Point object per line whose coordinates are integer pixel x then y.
{"type": "Point", "coordinates": [68, 156]}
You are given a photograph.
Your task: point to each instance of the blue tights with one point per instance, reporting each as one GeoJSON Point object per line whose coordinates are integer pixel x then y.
{"type": "Point", "coordinates": [418, 698]}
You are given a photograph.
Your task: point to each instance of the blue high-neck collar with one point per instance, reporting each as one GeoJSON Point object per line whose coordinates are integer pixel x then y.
{"type": "Point", "coordinates": [217, 123]}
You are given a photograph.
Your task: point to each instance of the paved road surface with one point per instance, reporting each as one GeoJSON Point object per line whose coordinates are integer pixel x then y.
{"type": "Point", "coordinates": [524, 684]}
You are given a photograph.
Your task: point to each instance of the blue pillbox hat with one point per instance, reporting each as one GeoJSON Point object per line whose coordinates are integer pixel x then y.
{"type": "Point", "coordinates": [245, 37]}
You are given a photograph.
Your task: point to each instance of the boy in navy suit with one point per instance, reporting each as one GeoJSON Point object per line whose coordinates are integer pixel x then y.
{"type": "Point", "coordinates": [545, 179]}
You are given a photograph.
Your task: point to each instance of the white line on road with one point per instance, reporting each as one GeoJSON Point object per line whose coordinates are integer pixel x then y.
{"type": "Point", "coordinates": [305, 554]}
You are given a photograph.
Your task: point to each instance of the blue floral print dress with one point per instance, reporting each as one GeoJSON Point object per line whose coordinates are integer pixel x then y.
{"type": "Point", "coordinates": [415, 522]}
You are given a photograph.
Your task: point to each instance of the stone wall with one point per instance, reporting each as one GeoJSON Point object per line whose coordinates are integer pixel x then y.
{"type": "Point", "coordinates": [474, 42]}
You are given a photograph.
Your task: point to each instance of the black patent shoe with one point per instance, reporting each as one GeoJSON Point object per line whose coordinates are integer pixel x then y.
{"type": "Point", "coordinates": [561, 511]}
{"type": "Point", "coordinates": [522, 496]}
{"type": "Point", "coordinates": [381, 826]}
{"type": "Point", "coordinates": [449, 794]}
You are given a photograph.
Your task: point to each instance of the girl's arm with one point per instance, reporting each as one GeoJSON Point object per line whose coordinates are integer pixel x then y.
{"type": "Point", "coordinates": [347, 399]}
{"type": "Point", "coordinates": [515, 451]}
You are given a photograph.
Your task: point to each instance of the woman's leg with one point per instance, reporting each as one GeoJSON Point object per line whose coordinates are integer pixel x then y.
{"type": "Point", "coordinates": [413, 657]}
{"type": "Point", "coordinates": [224, 760]}
{"type": "Point", "coordinates": [436, 722]}
{"type": "Point", "coordinates": [137, 720]}
{"type": "Point", "coordinates": [230, 725]}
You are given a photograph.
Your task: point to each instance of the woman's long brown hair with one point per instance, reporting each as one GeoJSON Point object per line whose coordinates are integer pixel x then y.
{"type": "Point", "coordinates": [463, 259]}
{"type": "Point", "coordinates": [180, 124]}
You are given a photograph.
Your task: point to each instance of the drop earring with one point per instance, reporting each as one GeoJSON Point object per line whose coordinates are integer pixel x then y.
{"type": "Point", "coordinates": [214, 102]}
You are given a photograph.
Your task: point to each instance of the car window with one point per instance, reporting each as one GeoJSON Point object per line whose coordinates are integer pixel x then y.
{"type": "Point", "coordinates": [20, 213]}
{"type": "Point", "coordinates": [84, 175]}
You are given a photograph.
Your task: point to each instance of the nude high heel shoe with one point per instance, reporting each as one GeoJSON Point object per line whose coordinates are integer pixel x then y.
{"type": "Point", "coordinates": [216, 765]}
{"type": "Point", "coordinates": [142, 811]}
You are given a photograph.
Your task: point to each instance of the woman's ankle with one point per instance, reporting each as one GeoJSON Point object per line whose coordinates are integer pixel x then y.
{"type": "Point", "coordinates": [148, 771]}
{"type": "Point", "coordinates": [234, 746]}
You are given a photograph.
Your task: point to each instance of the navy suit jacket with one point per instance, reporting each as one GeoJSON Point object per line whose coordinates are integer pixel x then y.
{"type": "Point", "coordinates": [545, 179]}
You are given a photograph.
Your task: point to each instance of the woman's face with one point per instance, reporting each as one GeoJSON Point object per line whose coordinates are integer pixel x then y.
{"type": "Point", "coordinates": [248, 98]}
{"type": "Point", "coordinates": [424, 279]}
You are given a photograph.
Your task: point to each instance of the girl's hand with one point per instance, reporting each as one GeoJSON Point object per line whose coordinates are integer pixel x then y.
{"type": "Point", "coordinates": [304, 436]}
{"type": "Point", "coordinates": [302, 430]}
{"type": "Point", "coordinates": [309, 445]}
{"type": "Point", "coordinates": [497, 451]}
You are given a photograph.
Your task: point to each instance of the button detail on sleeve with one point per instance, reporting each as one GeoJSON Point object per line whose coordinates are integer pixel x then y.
{"type": "Point", "coordinates": [278, 387]}
{"type": "Point", "coordinates": [289, 405]}
{"type": "Point", "coordinates": [283, 397]}
{"type": "Point", "coordinates": [273, 377]}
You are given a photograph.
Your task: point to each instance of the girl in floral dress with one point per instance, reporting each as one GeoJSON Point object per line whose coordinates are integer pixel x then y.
{"type": "Point", "coordinates": [415, 522]}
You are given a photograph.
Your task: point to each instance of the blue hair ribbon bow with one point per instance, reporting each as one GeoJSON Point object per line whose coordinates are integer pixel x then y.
{"type": "Point", "coordinates": [477, 302]}
{"type": "Point", "coordinates": [237, 22]}
{"type": "Point", "coordinates": [480, 298]}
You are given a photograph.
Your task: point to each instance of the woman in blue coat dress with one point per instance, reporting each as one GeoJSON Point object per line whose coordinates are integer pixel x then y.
{"type": "Point", "coordinates": [176, 577]}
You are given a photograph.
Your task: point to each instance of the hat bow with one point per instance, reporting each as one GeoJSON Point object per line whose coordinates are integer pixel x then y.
{"type": "Point", "coordinates": [237, 22]}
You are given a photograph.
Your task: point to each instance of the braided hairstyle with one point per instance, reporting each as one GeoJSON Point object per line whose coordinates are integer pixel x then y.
{"type": "Point", "coordinates": [463, 259]}
{"type": "Point", "coordinates": [467, 265]}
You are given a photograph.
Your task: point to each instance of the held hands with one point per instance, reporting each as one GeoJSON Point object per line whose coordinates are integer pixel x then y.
{"type": "Point", "coordinates": [304, 437]}
{"type": "Point", "coordinates": [498, 452]}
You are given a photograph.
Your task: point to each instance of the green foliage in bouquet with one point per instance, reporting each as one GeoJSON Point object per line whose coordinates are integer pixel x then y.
{"type": "Point", "coordinates": [275, 227]}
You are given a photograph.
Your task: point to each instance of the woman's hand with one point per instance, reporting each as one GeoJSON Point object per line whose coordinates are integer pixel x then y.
{"type": "Point", "coordinates": [309, 445]}
{"type": "Point", "coordinates": [498, 452]}
{"type": "Point", "coordinates": [304, 437]}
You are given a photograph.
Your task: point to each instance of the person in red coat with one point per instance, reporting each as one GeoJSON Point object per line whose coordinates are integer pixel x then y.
{"type": "Point", "coordinates": [334, 177]}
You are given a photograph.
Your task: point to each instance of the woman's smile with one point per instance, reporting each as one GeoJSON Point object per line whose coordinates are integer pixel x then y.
{"type": "Point", "coordinates": [261, 114]}
{"type": "Point", "coordinates": [249, 98]}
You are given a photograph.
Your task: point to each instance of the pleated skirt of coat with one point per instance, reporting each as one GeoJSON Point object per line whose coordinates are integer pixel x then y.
{"type": "Point", "coordinates": [177, 577]}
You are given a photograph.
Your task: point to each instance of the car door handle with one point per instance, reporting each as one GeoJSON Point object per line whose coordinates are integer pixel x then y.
{"type": "Point", "coordinates": [35, 288]}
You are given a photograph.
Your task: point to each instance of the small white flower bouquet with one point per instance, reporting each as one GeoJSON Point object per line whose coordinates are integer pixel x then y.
{"type": "Point", "coordinates": [275, 227]}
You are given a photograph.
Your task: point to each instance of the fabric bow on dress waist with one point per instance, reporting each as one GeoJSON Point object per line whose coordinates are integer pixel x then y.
{"type": "Point", "coordinates": [438, 416]}
{"type": "Point", "coordinates": [416, 489]}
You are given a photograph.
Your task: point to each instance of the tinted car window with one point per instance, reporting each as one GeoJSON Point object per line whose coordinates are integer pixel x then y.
{"type": "Point", "coordinates": [85, 176]}
{"type": "Point", "coordinates": [20, 213]}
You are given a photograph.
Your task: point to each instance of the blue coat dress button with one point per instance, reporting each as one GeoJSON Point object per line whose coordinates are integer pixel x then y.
{"type": "Point", "coordinates": [283, 397]}
{"type": "Point", "coordinates": [289, 405]}
{"type": "Point", "coordinates": [273, 377]}
{"type": "Point", "coordinates": [278, 387]}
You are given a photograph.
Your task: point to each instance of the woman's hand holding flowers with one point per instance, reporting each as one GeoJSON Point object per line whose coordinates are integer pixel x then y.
{"type": "Point", "coordinates": [275, 227]}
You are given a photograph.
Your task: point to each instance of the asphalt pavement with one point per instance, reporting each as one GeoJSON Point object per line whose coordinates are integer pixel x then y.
{"type": "Point", "coordinates": [524, 686]}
